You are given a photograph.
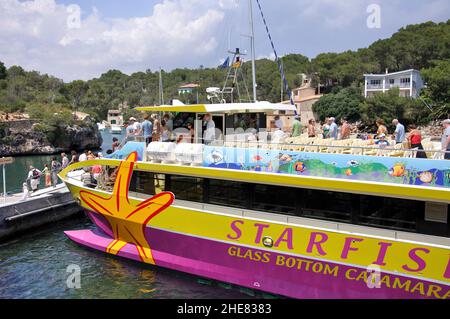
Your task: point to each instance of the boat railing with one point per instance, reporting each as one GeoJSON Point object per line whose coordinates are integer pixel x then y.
{"type": "Point", "coordinates": [331, 146]}
{"type": "Point", "coordinates": [353, 146]}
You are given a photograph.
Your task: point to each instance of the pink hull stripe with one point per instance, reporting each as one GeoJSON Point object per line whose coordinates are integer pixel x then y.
{"type": "Point", "coordinates": [211, 259]}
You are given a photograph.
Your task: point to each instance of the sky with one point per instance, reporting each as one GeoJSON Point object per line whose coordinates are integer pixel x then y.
{"type": "Point", "coordinates": [81, 39]}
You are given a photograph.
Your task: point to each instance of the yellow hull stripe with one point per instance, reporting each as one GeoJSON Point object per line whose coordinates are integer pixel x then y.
{"type": "Point", "coordinates": [292, 239]}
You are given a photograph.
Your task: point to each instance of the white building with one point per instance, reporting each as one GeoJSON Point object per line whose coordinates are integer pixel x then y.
{"type": "Point", "coordinates": [409, 82]}
{"type": "Point", "coordinates": [115, 117]}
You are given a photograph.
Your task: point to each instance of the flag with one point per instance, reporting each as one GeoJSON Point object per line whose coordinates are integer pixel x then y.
{"type": "Point", "coordinates": [225, 64]}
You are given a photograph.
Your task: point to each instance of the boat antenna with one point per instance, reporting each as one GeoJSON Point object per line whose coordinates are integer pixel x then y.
{"type": "Point", "coordinates": [279, 62]}
{"type": "Point", "coordinates": [252, 46]}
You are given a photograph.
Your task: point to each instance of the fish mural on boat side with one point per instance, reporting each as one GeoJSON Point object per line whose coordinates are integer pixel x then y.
{"type": "Point", "coordinates": [408, 171]}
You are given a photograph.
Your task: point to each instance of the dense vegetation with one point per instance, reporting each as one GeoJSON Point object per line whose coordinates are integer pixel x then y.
{"type": "Point", "coordinates": [425, 47]}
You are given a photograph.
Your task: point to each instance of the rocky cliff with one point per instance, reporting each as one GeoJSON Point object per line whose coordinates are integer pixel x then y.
{"type": "Point", "coordinates": [22, 137]}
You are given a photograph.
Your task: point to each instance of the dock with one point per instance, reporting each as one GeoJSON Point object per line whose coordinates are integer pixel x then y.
{"type": "Point", "coordinates": [43, 207]}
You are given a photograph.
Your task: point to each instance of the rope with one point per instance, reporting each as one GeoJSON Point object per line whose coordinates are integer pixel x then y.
{"type": "Point", "coordinates": [280, 65]}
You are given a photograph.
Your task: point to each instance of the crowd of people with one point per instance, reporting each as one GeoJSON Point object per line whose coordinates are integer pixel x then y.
{"type": "Point", "coordinates": [152, 129]}
{"type": "Point", "coordinates": [411, 137]}
{"type": "Point", "coordinates": [49, 173]}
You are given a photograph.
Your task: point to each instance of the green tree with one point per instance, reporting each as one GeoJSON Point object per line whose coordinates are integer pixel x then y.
{"type": "Point", "coordinates": [344, 104]}
{"type": "Point", "coordinates": [388, 106]}
{"type": "Point", "coordinates": [437, 91]}
{"type": "Point", "coordinates": [2, 71]}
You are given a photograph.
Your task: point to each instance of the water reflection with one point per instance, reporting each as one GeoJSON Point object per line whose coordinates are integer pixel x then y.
{"type": "Point", "coordinates": [34, 266]}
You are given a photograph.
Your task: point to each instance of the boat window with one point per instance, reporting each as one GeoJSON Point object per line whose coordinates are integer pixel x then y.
{"type": "Point", "coordinates": [390, 213]}
{"type": "Point", "coordinates": [275, 199]}
{"type": "Point", "coordinates": [186, 188]}
{"type": "Point", "coordinates": [147, 183]}
{"type": "Point", "coordinates": [331, 206]}
{"type": "Point", "coordinates": [228, 193]}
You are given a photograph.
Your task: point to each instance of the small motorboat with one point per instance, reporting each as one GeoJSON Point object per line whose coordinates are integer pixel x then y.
{"type": "Point", "coordinates": [116, 129]}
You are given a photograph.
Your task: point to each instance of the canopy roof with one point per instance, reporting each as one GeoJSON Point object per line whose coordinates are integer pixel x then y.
{"type": "Point", "coordinates": [258, 107]}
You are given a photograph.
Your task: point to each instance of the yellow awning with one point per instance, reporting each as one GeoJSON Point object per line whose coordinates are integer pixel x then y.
{"type": "Point", "coordinates": [196, 108]}
{"type": "Point", "coordinates": [258, 107]}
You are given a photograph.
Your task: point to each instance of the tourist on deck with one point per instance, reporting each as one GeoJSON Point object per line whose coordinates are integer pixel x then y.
{"type": "Point", "coordinates": [277, 136]}
{"type": "Point", "coordinates": [382, 144]}
{"type": "Point", "coordinates": [296, 127]}
{"type": "Point", "coordinates": [147, 129]}
{"type": "Point", "coordinates": [131, 126]}
{"type": "Point", "coordinates": [165, 133]}
{"type": "Point", "coordinates": [345, 129]}
{"type": "Point", "coordinates": [34, 177]}
{"type": "Point", "coordinates": [399, 133]}
{"type": "Point", "coordinates": [382, 129]}
{"type": "Point", "coordinates": [210, 132]}
{"type": "Point", "coordinates": [190, 127]}
{"type": "Point", "coordinates": [333, 133]}
{"type": "Point", "coordinates": [311, 128]}
{"type": "Point", "coordinates": [64, 161]}
{"type": "Point", "coordinates": [278, 122]}
{"type": "Point", "coordinates": [96, 172]}
{"type": "Point", "coordinates": [156, 134]}
{"type": "Point", "coordinates": [74, 158]}
{"type": "Point", "coordinates": [137, 128]}
{"type": "Point", "coordinates": [415, 141]}
{"type": "Point", "coordinates": [48, 176]}
{"type": "Point", "coordinates": [83, 156]}
{"type": "Point", "coordinates": [169, 121]}
{"type": "Point", "coordinates": [326, 128]}
{"type": "Point", "coordinates": [115, 144]}
{"type": "Point", "coordinates": [90, 156]}
{"type": "Point", "coordinates": [446, 138]}
{"type": "Point", "coordinates": [55, 168]}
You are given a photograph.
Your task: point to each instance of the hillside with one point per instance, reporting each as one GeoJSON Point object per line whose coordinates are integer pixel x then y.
{"type": "Point", "coordinates": [425, 47]}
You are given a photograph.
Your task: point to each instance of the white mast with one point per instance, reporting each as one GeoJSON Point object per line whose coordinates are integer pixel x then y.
{"type": "Point", "coordinates": [252, 45]}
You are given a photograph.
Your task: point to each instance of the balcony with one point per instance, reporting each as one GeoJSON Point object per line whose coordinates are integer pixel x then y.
{"type": "Point", "coordinates": [374, 86]}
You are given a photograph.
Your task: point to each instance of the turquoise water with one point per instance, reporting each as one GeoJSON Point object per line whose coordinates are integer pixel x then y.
{"type": "Point", "coordinates": [17, 173]}
{"type": "Point", "coordinates": [35, 266]}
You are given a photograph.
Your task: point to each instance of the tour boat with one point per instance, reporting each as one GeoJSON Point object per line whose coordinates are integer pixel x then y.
{"type": "Point", "coordinates": [298, 217]}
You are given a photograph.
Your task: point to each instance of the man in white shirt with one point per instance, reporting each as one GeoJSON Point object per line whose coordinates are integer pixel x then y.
{"type": "Point", "coordinates": [210, 133]}
{"type": "Point", "coordinates": [333, 128]}
{"type": "Point", "coordinates": [278, 122]}
{"type": "Point", "coordinates": [83, 157]}
{"type": "Point", "coordinates": [277, 135]}
{"type": "Point", "coordinates": [137, 128]}
{"type": "Point", "coordinates": [399, 131]}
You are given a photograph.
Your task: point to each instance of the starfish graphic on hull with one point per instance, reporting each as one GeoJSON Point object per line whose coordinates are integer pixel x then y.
{"type": "Point", "coordinates": [127, 222]}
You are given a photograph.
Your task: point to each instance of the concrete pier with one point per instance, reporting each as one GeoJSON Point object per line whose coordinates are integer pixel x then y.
{"type": "Point", "coordinates": [43, 207]}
